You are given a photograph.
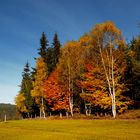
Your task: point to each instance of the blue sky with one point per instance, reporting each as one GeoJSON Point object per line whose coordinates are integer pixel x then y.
{"type": "Point", "coordinates": [23, 21]}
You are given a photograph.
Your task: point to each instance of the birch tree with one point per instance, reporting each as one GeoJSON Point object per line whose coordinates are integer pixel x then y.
{"type": "Point", "coordinates": [69, 67]}
{"type": "Point", "coordinates": [107, 39]}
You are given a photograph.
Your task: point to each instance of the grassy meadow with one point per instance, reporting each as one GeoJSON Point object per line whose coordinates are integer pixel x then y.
{"type": "Point", "coordinates": [70, 130]}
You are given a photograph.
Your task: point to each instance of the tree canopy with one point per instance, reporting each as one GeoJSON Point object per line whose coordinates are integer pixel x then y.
{"type": "Point", "coordinates": [97, 74]}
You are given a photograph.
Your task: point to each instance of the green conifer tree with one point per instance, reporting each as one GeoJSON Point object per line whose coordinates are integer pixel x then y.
{"type": "Point", "coordinates": [25, 92]}
{"type": "Point", "coordinates": [43, 47]}
{"type": "Point", "coordinates": [56, 50]}
{"type": "Point", "coordinates": [134, 70]}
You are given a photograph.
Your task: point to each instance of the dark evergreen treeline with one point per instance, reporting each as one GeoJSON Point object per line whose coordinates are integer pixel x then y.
{"type": "Point", "coordinates": [133, 71]}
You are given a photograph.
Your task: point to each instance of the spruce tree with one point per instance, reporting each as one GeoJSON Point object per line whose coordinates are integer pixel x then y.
{"type": "Point", "coordinates": [33, 73]}
{"type": "Point", "coordinates": [43, 47]}
{"type": "Point", "coordinates": [46, 52]}
{"type": "Point", "coordinates": [56, 50]}
{"type": "Point", "coordinates": [133, 71]}
{"type": "Point", "coordinates": [136, 71]}
{"type": "Point", "coordinates": [26, 87]}
{"type": "Point", "coordinates": [35, 108]}
{"type": "Point", "coordinates": [50, 59]}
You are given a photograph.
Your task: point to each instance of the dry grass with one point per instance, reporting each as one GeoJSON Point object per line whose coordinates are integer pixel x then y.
{"type": "Point", "coordinates": [70, 130]}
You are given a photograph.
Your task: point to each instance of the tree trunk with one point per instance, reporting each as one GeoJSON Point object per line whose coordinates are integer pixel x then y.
{"type": "Point", "coordinates": [40, 112]}
{"type": "Point", "coordinates": [50, 114]}
{"type": "Point", "coordinates": [60, 114]}
{"type": "Point", "coordinates": [44, 115]}
{"type": "Point", "coordinates": [110, 76]}
{"type": "Point", "coordinates": [86, 110]}
{"type": "Point", "coordinates": [28, 115]}
{"type": "Point", "coordinates": [42, 108]}
{"type": "Point", "coordinates": [67, 114]}
{"type": "Point", "coordinates": [113, 106]}
{"type": "Point", "coordinates": [113, 88]}
{"type": "Point", "coordinates": [89, 110]}
{"type": "Point", "coordinates": [70, 96]}
{"type": "Point", "coordinates": [5, 118]}
{"type": "Point", "coordinates": [71, 105]}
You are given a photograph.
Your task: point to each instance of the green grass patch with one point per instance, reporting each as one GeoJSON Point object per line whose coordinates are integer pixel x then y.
{"type": "Point", "coordinates": [70, 130]}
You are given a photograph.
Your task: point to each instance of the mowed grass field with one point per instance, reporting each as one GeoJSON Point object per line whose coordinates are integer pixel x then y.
{"type": "Point", "coordinates": [70, 130]}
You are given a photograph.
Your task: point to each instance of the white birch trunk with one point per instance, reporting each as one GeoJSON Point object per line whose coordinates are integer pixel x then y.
{"type": "Point", "coordinates": [67, 114]}
{"type": "Point", "coordinates": [71, 105]}
{"type": "Point", "coordinates": [42, 109]}
{"type": "Point", "coordinates": [89, 110]}
{"type": "Point", "coordinates": [5, 118]}
{"type": "Point", "coordinates": [113, 106]}
{"type": "Point", "coordinates": [60, 114]}
{"type": "Point", "coordinates": [70, 96]}
{"type": "Point", "coordinates": [86, 110]}
{"type": "Point", "coordinates": [110, 77]}
{"type": "Point", "coordinates": [113, 86]}
{"type": "Point", "coordinates": [50, 114]}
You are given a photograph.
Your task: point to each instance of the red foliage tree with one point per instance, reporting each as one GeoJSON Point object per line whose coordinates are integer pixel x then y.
{"type": "Point", "coordinates": [55, 95]}
{"type": "Point", "coordinates": [95, 91]}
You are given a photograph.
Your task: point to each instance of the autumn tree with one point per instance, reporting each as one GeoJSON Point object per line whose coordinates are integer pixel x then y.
{"type": "Point", "coordinates": [108, 41]}
{"type": "Point", "coordinates": [93, 90]}
{"type": "Point", "coordinates": [69, 69]}
{"type": "Point", "coordinates": [20, 105]}
{"type": "Point", "coordinates": [88, 57]}
{"type": "Point", "coordinates": [38, 91]}
{"type": "Point", "coordinates": [55, 94]}
{"type": "Point", "coordinates": [95, 93]}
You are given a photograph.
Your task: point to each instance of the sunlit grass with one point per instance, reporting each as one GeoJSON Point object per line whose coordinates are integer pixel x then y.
{"type": "Point", "coordinates": [70, 130]}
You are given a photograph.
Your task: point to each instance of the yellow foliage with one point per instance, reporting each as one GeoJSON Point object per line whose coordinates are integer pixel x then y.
{"type": "Point", "coordinates": [40, 77]}
{"type": "Point", "coordinates": [131, 53]}
{"type": "Point", "coordinates": [85, 40]}
{"type": "Point", "coordinates": [20, 104]}
{"type": "Point", "coordinates": [106, 32]}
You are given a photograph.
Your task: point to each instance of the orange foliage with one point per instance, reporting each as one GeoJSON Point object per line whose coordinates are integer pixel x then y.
{"type": "Point", "coordinates": [95, 91]}
{"type": "Point", "coordinates": [91, 81]}
{"type": "Point", "coordinates": [93, 86]}
{"type": "Point", "coordinates": [54, 93]}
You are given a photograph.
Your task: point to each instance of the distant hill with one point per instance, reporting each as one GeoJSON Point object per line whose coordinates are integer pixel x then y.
{"type": "Point", "coordinates": [9, 110]}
